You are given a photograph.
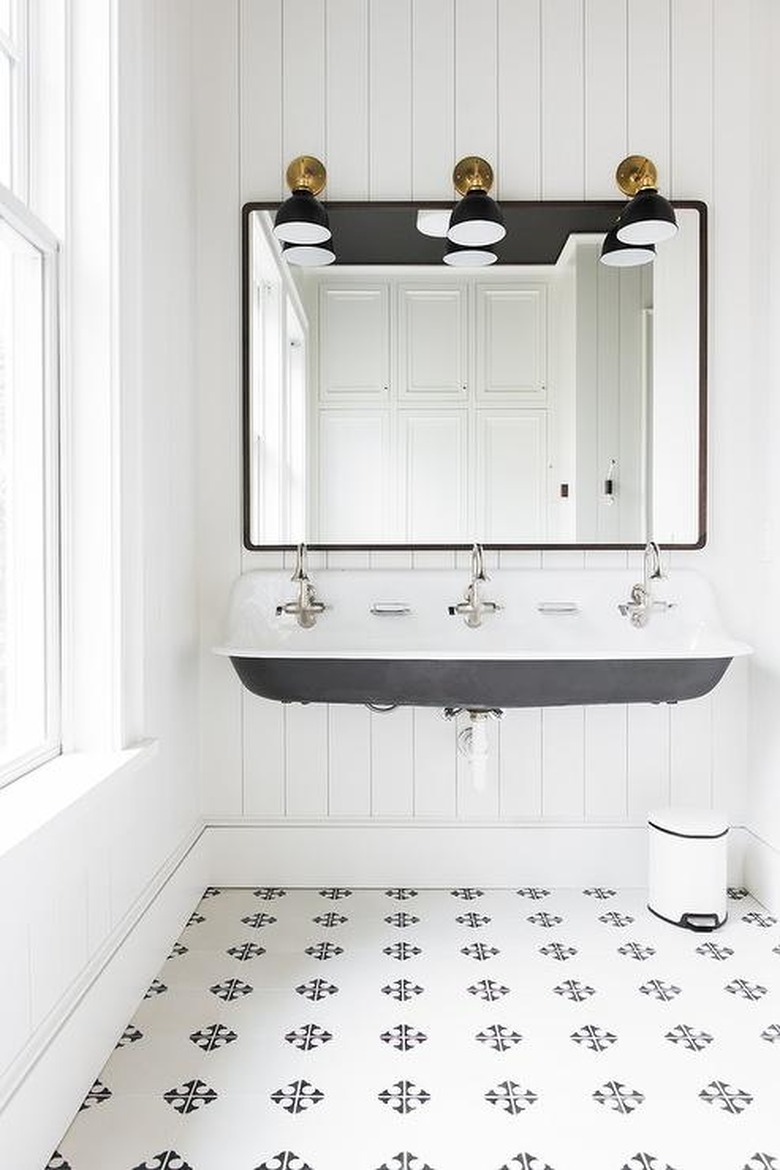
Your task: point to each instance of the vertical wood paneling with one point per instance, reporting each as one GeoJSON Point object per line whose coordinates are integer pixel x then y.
{"type": "Point", "coordinates": [260, 63]}
{"type": "Point", "coordinates": [520, 779]}
{"type": "Point", "coordinates": [605, 95]}
{"type": "Point", "coordinates": [478, 797]}
{"type": "Point", "coordinates": [605, 763]}
{"type": "Point", "coordinates": [392, 763]}
{"type": "Point", "coordinates": [518, 154]}
{"type": "Point", "coordinates": [563, 794]}
{"type": "Point", "coordinates": [265, 760]}
{"type": "Point", "coordinates": [306, 746]}
{"type": "Point", "coordinates": [304, 112]}
{"type": "Point", "coordinates": [730, 725]}
{"type": "Point", "coordinates": [476, 70]}
{"type": "Point", "coordinates": [691, 122]}
{"type": "Point", "coordinates": [691, 753]}
{"type": "Point", "coordinates": [434, 764]}
{"type": "Point", "coordinates": [390, 99]}
{"type": "Point", "coordinates": [349, 761]}
{"type": "Point", "coordinates": [648, 759]}
{"type": "Point", "coordinates": [346, 99]}
{"type": "Point", "coordinates": [433, 81]}
{"type": "Point", "coordinates": [563, 175]}
{"type": "Point", "coordinates": [649, 72]}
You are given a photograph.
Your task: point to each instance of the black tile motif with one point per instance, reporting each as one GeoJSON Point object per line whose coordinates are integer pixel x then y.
{"type": "Point", "coordinates": [762, 920]}
{"type": "Point", "coordinates": [195, 919]}
{"type": "Point", "coordinates": [213, 1037]}
{"type": "Point", "coordinates": [297, 1097]}
{"type": "Point", "coordinates": [687, 1037]}
{"type": "Point", "coordinates": [308, 1036]}
{"type": "Point", "coordinates": [574, 990]}
{"type": "Point", "coordinates": [245, 951]}
{"type": "Point", "coordinates": [404, 1097]}
{"type": "Point", "coordinates": [713, 950]}
{"type": "Point", "coordinates": [526, 1162]}
{"type": "Point", "coordinates": [401, 893]}
{"type": "Point", "coordinates": [600, 893]}
{"type": "Point", "coordinates": [156, 987]}
{"type": "Point", "coordinates": [728, 1099]}
{"type": "Point", "coordinates": [130, 1035]}
{"type": "Point", "coordinates": [488, 990]}
{"type": "Point", "coordinates": [330, 919]}
{"type": "Point", "coordinates": [285, 1160]}
{"type": "Point", "coordinates": [211, 892]}
{"type": "Point", "coordinates": [479, 951]}
{"type": "Point", "coordinates": [190, 1096]}
{"type": "Point", "coordinates": [403, 990]}
{"type": "Point", "coordinates": [316, 989]}
{"type": "Point", "coordinates": [534, 893]}
{"type": "Point", "coordinates": [401, 919]}
{"type": "Point", "coordinates": [595, 1038]}
{"type": "Point", "coordinates": [230, 989]}
{"type": "Point", "coordinates": [402, 951]}
{"type": "Point", "coordinates": [167, 1160]}
{"type": "Point", "coordinates": [403, 1037]}
{"type": "Point", "coordinates": [737, 893]}
{"type": "Point", "coordinates": [665, 992]}
{"type": "Point", "coordinates": [97, 1095]}
{"type": "Point", "coordinates": [741, 987]}
{"type": "Point", "coordinates": [559, 951]}
{"type": "Point", "coordinates": [771, 1034]}
{"type": "Point", "coordinates": [511, 1097]}
{"type": "Point", "coordinates": [335, 893]}
{"type": "Point", "coordinates": [473, 920]}
{"type": "Point", "coordinates": [468, 893]}
{"type": "Point", "coordinates": [269, 893]}
{"type": "Point", "coordinates": [618, 1097]}
{"type": "Point", "coordinates": [57, 1162]}
{"type": "Point", "coordinates": [645, 1162]}
{"type": "Point", "coordinates": [256, 921]}
{"type": "Point", "coordinates": [177, 950]}
{"type": "Point", "coordinates": [499, 1037]}
{"type": "Point", "coordinates": [405, 1161]}
{"type": "Point", "coordinates": [544, 919]}
{"type": "Point", "coordinates": [613, 918]}
{"type": "Point", "coordinates": [635, 950]}
{"type": "Point", "coordinates": [324, 951]}
{"type": "Point", "coordinates": [762, 1162]}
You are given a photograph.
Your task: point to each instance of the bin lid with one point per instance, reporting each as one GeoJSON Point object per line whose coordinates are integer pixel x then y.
{"type": "Point", "coordinates": [689, 822]}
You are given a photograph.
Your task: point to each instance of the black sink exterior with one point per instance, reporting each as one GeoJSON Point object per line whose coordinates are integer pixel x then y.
{"type": "Point", "coordinates": [480, 683]}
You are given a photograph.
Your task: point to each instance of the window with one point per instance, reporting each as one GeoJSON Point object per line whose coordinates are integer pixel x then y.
{"type": "Point", "coordinates": [14, 96]}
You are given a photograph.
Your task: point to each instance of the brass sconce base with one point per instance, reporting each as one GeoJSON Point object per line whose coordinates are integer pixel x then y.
{"type": "Point", "coordinates": [635, 173]}
{"type": "Point", "coordinates": [306, 173]}
{"type": "Point", "coordinates": [472, 173]}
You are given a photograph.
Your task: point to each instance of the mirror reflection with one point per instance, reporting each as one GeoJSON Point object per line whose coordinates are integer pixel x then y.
{"type": "Point", "coordinates": [532, 404]}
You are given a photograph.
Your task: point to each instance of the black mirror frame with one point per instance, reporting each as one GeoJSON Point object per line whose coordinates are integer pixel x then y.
{"type": "Point", "coordinates": [610, 210]}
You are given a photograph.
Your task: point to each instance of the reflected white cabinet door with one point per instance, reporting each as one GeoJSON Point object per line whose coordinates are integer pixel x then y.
{"type": "Point", "coordinates": [354, 329]}
{"type": "Point", "coordinates": [511, 344]}
{"type": "Point", "coordinates": [432, 343]}
{"type": "Point", "coordinates": [511, 476]}
{"type": "Point", "coordinates": [353, 498]}
{"type": "Point", "coordinates": [433, 474]}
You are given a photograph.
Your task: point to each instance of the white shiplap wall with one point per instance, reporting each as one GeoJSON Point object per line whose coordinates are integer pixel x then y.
{"type": "Point", "coordinates": [389, 93]}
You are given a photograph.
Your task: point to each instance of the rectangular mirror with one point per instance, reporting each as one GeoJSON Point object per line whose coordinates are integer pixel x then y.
{"type": "Point", "coordinates": [546, 401]}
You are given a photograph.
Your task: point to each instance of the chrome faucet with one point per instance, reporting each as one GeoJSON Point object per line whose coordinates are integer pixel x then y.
{"type": "Point", "coordinates": [305, 607]}
{"type": "Point", "coordinates": [642, 602]}
{"type": "Point", "coordinates": [473, 607]}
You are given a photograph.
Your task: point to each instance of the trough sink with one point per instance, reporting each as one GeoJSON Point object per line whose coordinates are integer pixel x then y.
{"type": "Point", "coordinates": [387, 637]}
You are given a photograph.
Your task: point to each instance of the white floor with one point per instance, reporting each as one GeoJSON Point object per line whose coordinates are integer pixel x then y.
{"type": "Point", "coordinates": [446, 1030]}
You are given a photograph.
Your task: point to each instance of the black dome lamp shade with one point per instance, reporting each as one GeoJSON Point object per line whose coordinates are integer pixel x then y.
{"type": "Point", "coordinates": [616, 254]}
{"type": "Point", "coordinates": [309, 255]}
{"type": "Point", "coordinates": [302, 219]}
{"type": "Point", "coordinates": [477, 219]}
{"type": "Point", "coordinates": [648, 218]}
{"type": "Point", "coordinates": [461, 256]}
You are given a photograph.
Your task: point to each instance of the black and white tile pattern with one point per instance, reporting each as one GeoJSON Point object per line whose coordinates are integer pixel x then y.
{"type": "Point", "coordinates": [463, 1029]}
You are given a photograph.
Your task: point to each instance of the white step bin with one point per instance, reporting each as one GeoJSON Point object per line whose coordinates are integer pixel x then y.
{"type": "Point", "coordinates": [687, 867]}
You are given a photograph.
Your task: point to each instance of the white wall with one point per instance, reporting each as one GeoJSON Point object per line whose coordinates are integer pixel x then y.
{"type": "Point", "coordinates": [385, 93]}
{"type": "Point", "coordinates": [69, 891]}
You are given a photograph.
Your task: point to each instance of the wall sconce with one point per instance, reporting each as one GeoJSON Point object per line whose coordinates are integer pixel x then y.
{"type": "Point", "coordinates": [459, 256]}
{"type": "Point", "coordinates": [302, 219]}
{"type": "Point", "coordinates": [619, 255]}
{"type": "Point", "coordinates": [309, 255]}
{"type": "Point", "coordinates": [477, 220]}
{"type": "Point", "coordinates": [647, 220]}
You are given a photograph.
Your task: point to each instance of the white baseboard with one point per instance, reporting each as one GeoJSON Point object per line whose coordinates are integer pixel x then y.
{"type": "Point", "coordinates": [762, 871]}
{"type": "Point", "coordinates": [370, 854]}
{"type": "Point", "coordinates": [44, 1087]}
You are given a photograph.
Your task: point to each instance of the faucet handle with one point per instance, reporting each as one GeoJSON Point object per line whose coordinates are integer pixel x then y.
{"type": "Point", "coordinates": [299, 572]}
{"type": "Point", "coordinates": [478, 563]}
{"type": "Point", "coordinates": [653, 556]}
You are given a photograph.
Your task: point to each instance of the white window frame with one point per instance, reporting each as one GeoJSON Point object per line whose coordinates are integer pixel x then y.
{"type": "Point", "coordinates": [21, 219]}
{"type": "Point", "coordinates": [16, 49]}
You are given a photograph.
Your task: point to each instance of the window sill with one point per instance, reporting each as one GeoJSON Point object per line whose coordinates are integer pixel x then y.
{"type": "Point", "coordinates": [34, 800]}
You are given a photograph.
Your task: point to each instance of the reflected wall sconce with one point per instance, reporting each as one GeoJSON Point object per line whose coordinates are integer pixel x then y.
{"type": "Point", "coordinates": [309, 255]}
{"type": "Point", "coordinates": [477, 219]}
{"type": "Point", "coordinates": [302, 220]}
{"type": "Point", "coordinates": [648, 219]}
{"type": "Point", "coordinates": [459, 256]}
